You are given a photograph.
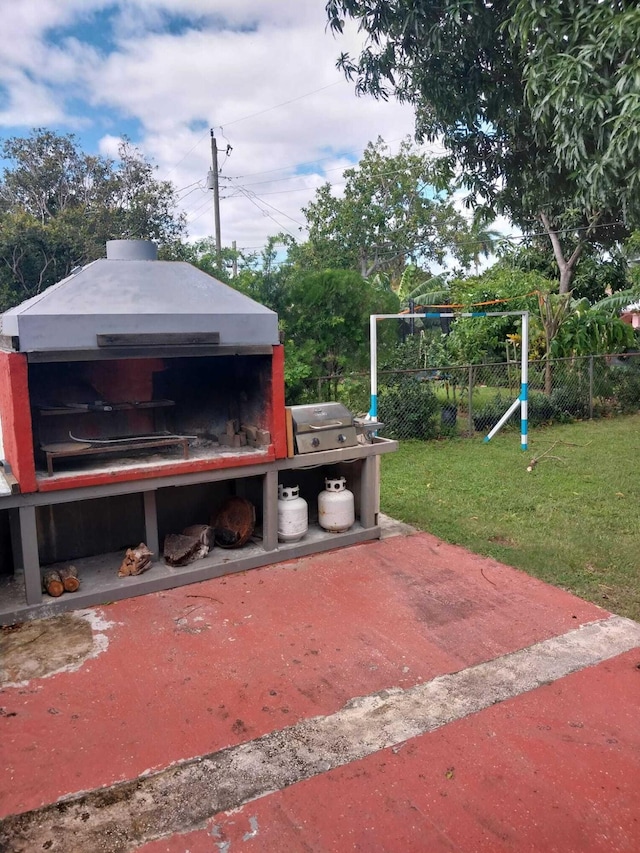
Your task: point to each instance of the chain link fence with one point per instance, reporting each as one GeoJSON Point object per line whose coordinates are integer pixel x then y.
{"type": "Point", "coordinates": [464, 400]}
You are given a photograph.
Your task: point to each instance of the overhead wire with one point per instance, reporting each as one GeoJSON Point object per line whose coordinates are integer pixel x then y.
{"type": "Point", "coordinates": [264, 212]}
{"type": "Point", "coordinates": [277, 106]}
{"type": "Point", "coordinates": [250, 194]}
{"type": "Point", "coordinates": [472, 242]}
{"type": "Point", "coordinates": [245, 118]}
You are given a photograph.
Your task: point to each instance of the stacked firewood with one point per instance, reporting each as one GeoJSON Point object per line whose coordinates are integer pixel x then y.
{"type": "Point", "coordinates": [64, 579]}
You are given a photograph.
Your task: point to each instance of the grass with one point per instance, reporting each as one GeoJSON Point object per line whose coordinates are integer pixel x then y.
{"type": "Point", "coordinates": [572, 521]}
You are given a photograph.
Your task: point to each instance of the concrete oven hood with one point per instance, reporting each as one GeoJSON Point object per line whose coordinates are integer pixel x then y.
{"type": "Point", "coordinates": [131, 300]}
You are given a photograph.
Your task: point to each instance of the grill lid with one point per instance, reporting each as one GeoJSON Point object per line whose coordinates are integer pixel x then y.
{"type": "Point", "coordinates": [323, 426]}
{"type": "Point", "coordinates": [320, 416]}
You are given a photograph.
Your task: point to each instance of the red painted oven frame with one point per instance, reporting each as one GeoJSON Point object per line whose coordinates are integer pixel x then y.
{"type": "Point", "coordinates": [19, 441]}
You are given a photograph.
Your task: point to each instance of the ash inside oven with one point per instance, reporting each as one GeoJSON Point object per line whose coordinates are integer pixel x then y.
{"type": "Point", "coordinates": [96, 414]}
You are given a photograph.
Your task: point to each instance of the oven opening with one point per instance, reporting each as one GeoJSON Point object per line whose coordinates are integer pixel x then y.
{"type": "Point", "coordinates": [116, 414]}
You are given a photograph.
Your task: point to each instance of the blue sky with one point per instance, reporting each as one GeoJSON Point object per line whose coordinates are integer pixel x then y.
{"type": "Point", "coordinates": [163, 72]}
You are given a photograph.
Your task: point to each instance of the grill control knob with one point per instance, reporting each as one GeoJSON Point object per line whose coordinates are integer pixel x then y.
{"type": "Point", "coordinates": [315, 441]}
{"type": "Point", "coordinates": [342, 438]}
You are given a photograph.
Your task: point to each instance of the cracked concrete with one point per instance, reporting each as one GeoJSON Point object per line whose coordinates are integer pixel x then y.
{"type": "Point", "coordinates": [119, 818]}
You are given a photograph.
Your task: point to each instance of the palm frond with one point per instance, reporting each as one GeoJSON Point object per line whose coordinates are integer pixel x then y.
{"type": "Point", "coordinates": [434, 291]}
{"type": "Point", "coordinates": [619, 301]}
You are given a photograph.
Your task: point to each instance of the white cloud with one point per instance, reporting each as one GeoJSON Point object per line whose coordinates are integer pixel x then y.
{"type": "Point", "coordinates": [262, 73]}
{"type": "Point", "coordinates": [30, 103]}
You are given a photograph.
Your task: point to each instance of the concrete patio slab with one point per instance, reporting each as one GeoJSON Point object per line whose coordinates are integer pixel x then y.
{"type": "Point", "coordinates": [537, 743]}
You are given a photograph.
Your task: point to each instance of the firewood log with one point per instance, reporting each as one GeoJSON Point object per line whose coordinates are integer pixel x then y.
{"type": "Point", "coordinates": [179, 550]}
{"type": "Point", "coordinates": [205, 533]}
{"type": "Point", "coordinates": [52, 583]}
{"type": "Point", "coordinates": [69, 578]}
{"type": "Point", "coordinates": [136, 561]}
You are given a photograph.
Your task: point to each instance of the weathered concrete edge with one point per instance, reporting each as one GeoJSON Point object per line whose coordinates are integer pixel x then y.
{"type": "Point", "coordinates": [185, 796]}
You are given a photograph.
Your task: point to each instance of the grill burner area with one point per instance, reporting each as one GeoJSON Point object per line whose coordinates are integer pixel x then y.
{"type": "Point", "coordinates": [323, 426]}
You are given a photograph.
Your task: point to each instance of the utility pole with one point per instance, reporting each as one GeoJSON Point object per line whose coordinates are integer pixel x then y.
{"type": "Point", "coordinates": [235, 259]}
{"type": "Point", "coordinates": [216, 196]}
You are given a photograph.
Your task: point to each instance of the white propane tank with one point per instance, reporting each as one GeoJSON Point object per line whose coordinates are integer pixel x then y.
{"type": "Point", "coordinates": [293, 517]}
{"type": "Point", "coordinates": [336, 511]}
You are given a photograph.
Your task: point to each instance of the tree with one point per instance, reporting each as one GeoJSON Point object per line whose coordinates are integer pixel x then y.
{"type": "Point", "coordinates": [59, 206]}
{"type": "Point", "coordinates": [390, 213]}
{"type": "Point", "coordinates": [596, 274]}
{"type": "Point", "coordinates": [326, 322]}
{"type": "Point", "coordinates": [502, 84]}
{"type": "Point", "coordinates": [582, 86]}
{"type": "Point", "coordinates": [482, 242]}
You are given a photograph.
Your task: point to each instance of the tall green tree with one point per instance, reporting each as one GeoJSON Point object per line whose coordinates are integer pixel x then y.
{"type": "Point", "coordinates": [326, 323]}
{"type": "Point", "coordinates": [389, 214]}
{"type": "Point", "coordinates": [59, 206]}
{"type": "Point", "coordinates": [536, 102]}
{"type": "Point", "coordinates": [596, 274]}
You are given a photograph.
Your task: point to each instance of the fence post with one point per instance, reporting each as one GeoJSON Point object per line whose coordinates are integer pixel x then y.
{"type": "Point", "coordinates": [591, 387]}
{"type": "Point", "coordinates": [470, 403]}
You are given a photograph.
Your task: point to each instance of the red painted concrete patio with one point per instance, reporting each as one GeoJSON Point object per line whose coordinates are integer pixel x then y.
{"type": "Point", "coordinates": [194, 670]}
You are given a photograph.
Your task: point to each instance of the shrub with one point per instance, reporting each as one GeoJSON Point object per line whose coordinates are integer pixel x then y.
{"type": "Point", "coordinates": [570, 401]}
{"type": "Point", "coordinates": [408, 409]}
{"type": "Point", "coordinates": [486, 416]}
{"type": "Point", "coordinates": [541, 410]}
{"type": "Point", "coordinates": [355, 393]}
{"type": "Point", "coordinates": [626, 388]}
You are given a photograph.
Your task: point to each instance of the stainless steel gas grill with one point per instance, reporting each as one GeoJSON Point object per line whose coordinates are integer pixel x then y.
{"type": "Point", "coordinates": [323, 426]}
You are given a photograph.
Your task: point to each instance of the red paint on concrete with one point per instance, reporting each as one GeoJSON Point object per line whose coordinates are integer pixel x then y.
{"type": "Point", "coordinates": [277, 404]}
{"type": "Point", "coordinates": [187, 466]}
{"type": "Point", "coordinates": [556, 770]}
{"type": "Point", "coordinates": [202, 667]}
{"type": "Point", "coordinates": [15, 412]}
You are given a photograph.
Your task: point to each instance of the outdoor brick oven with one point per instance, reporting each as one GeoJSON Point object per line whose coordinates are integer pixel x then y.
{"type": "Point", "coordinates": [137, 397]}
{"type": "Point", "coordinates": [132, 367]}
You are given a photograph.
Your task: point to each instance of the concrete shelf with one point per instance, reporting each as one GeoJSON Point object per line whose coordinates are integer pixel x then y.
{"type": "Point", "coordinates": [153, 505]}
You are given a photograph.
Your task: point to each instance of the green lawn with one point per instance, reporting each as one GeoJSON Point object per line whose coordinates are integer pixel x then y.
{"type": "Point", "coordinates": [573, 520]}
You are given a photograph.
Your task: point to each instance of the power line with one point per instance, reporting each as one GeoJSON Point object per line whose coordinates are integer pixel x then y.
{"type": "Point", "coordinates": [248, 193]}
{"type": "Point", "coordinates": [265, 212]}
{"type": "Point", "coordinates": [246, 117]}
{"type": "Point", "coordinates": [504, 238]}
{"type": "Point", "coordinates": [277, 106]}
{"type": "Point", "coordinates": [182, 159]}
{"type": "Point", "coordinates": [313, 162]}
